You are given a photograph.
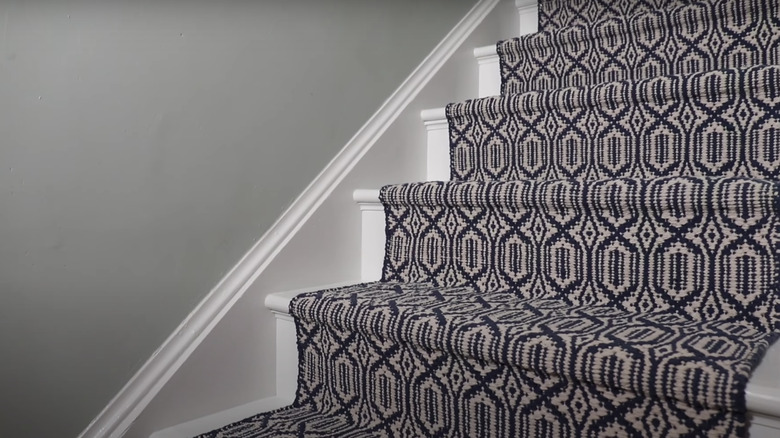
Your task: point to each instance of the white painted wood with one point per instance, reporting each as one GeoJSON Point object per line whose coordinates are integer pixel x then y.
{"type": "Point", "coordinates": [125, 407]}
{"type": "Point", "coordinates": [372, 235]}
{"type": "Point", "coordinates": [220, 419]}
{"type": "Point", "coordinates": [286, 356]}
{"type": "Point", "coordinates": [489, 71]}
{"type": "Point", "coordinates": [528, 14]}
{"type": "Point", "coordinates": [438, 143]}
{"type": "Point", "coordinates": [487, 57]}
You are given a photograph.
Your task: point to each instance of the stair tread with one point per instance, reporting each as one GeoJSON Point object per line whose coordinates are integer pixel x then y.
{"type": "Point", "coordinates": [614, 242]}
{"type": "Point", "coordinates": [385, 337]}
{"type": "Point", "coordinates": [555, 14]}
{"type": "Point", "coordinates": [662, 42]}
{"type": "Point", "coordinates": [503, 328]}
{"type": "Point", "coordinates": [715, 123]}
{"type": "Point", "coordinates": [762, 394]}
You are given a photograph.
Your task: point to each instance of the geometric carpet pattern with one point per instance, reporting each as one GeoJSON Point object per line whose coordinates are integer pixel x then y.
{"type": "Point", "coordinates": [605, 262]}
{"type": "Point", "coordinates": [399, 359]}
{"type": "Point", "coordinates": [556, 14]}
{"type": "Point", "coordinates": [693, 37]}
{"type": "Point", "coordinates": [701, 248]}
{"type": "Point", "coordinates": [716, 123]}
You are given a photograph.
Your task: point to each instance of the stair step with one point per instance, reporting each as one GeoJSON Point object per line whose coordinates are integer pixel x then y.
{"type": "Point", "coordinates": [409, 330]}
{"type": "Point", "coordinates": [719, 123]}
{"type": "Point", "coordinates": [691, 38]}
{"type": "Point", "coordinates": [762, 394]}
{"type": "Point", "coordinates": [556, 14]}
{"type": "Point", "coordinates": [674, 244]}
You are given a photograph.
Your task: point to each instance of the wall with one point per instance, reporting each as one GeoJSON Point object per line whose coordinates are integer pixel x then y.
{"type": "Point", "coordinates": [145, 146]}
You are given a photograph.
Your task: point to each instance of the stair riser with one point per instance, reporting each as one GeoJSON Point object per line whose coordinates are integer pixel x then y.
{"type": "Point", "coordinates": [721, 123]}
{"type": "Point", "coordinates": [697, 37]}
{"type": "Point", "coordinates": [704, 249]}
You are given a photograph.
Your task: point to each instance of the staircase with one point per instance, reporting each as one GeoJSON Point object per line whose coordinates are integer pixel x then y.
{"type": "Point", "coordinates": [596, 252]}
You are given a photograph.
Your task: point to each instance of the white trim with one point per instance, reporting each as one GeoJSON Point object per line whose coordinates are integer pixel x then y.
{"type": "Point", "coordinates": [372, 235]}
{"type": "Point", "coordinates": [279, 302]}
{"type": "Point", "coordinates": [528, 16]}
{"type": "Point", "coordinates": [433, 115]}
{"type": "Point", "coordinates": [286, 356]}
{"type": "Point", "coordinates": [438, 144]}
{"type": "Point", "coordinates": [124, 408]}
{"type": "Point", "coordinates": [366, 198]}
{"type": "Point", "coordinates": [489, 71]}
{"type": "Point", "coordinates": [486, 54]}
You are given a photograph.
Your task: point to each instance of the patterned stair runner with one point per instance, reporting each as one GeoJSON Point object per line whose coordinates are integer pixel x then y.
{"type": "Point", "coordinates": [556, 14]}
{"type": "Point", "coordinates": [701, 248]}
{"type": "Point", "coordinates": [605, 260]}
{"type": "Point", "coordinates": [718, 123]}
{"type": "Point", "coordinates": [688, 39]}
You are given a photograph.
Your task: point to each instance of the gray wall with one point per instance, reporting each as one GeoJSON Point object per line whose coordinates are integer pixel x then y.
{"type": "Point", "coordinates": [144, 146]}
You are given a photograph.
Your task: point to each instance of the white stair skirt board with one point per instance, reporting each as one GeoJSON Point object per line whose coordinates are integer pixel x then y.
{"type": "Point", "coordinates": [438, 152]}
{"type": "Point", "coordinates": [762, 393]}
